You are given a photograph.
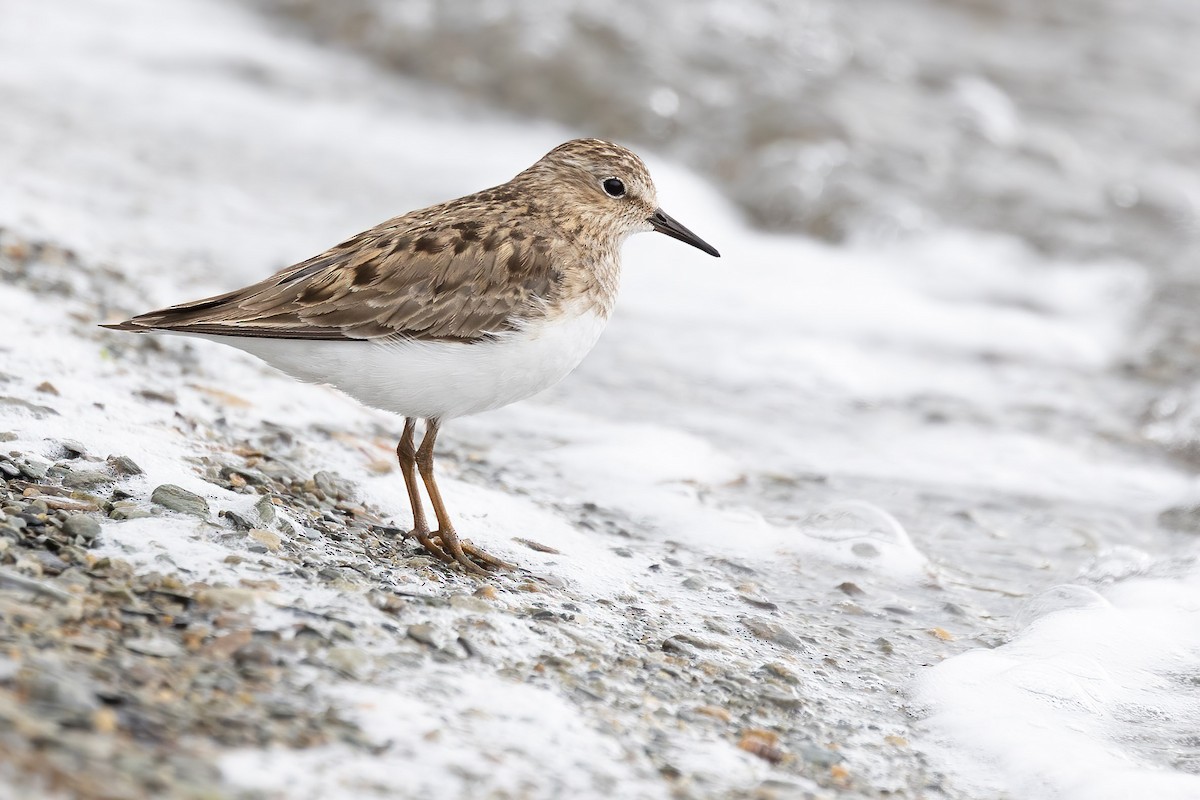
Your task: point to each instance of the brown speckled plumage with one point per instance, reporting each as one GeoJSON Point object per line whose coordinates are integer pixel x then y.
{"type": "Point", "coordinates": [532, 256]}
{"type": "Point", "coordinates": [458, 271]}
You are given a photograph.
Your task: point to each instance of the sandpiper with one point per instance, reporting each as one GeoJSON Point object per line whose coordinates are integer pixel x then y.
{"type": "Point", "coordinates": [451, 310]}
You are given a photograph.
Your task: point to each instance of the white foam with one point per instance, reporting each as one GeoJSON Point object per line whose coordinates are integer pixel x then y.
{"type": "Point", "coordinates": [1089, 701]}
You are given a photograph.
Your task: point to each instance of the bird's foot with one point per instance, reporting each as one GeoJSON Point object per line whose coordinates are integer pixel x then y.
{"type": "Point", "coordinates": [445, 545]}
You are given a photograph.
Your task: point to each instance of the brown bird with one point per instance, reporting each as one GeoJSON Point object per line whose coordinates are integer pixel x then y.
{"type": "Point", "coordinates": [451, 310]}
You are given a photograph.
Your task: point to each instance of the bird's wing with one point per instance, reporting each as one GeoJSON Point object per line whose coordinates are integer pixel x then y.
{"type": "Point", "coordinates": [433, 282]}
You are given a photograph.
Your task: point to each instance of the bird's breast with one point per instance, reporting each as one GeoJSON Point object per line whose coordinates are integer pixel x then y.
{"type": "Point", "coordinates": [441, 378]}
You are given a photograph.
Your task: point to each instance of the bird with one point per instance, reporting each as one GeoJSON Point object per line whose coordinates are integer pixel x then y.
{"type": "Point", "coordinates": [451, 310]}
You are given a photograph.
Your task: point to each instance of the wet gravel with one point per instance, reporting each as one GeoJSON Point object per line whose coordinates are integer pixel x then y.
{"type": "Point", "coordinates": [131, 678]}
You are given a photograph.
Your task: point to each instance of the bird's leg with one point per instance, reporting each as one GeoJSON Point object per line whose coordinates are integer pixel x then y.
{"type": "Point", "coordinates": [406, 454]}
{"type": "Point", "coordinates": [447, 536]}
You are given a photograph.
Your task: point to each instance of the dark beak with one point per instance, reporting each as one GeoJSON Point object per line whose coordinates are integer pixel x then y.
{"type": "Point", "coordinates": [663, 222]}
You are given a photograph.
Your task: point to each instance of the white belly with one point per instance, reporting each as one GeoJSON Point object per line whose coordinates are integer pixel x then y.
{"type": "Point", "coordinates": [436, 379]}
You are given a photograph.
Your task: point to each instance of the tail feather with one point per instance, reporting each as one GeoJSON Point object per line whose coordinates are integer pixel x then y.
{"type": "Point", "coordinates": [127, 325]}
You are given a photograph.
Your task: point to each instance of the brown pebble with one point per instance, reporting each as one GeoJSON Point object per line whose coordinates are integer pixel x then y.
{"type": "Point", "coordinates": [266, 538]}
{"type": "Point", "coordinates": [538, 546]}
{"type": "Point", "coordinates": [714, 712]}
{"type": "Point", "coordinates": [104, 720]}
{"type": "Point", "coordinates": [47, 387]}
{"type": "Point", "coordinates": [225, 646]}
{"type": "Point", "coordinates": [762, 743]}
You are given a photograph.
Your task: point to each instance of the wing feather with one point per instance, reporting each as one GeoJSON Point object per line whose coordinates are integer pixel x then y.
{"type": "Point", "coordinates": [425, 280]}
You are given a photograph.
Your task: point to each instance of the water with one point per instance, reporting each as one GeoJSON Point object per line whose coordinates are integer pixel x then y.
{"type": "Point", "coordinates": [1069, 126]}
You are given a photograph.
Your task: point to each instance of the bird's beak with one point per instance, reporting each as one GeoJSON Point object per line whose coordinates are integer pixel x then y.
{"type": "Point", "coordinates": [663, 222]}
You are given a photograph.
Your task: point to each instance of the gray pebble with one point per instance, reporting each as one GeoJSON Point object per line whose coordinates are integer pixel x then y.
{"type": "Point", "coordinates": [128, 510]}
{"type": "Point", "coordinates": [154, 646]}
{"type": "Point", "coordinates": [176, 498]}
{"type": "Point", "coordinates": [51, 687]}
{"type": "Point", "coordinates": [422, 633]}
{"type": "Point", "coordinates": [819, 756]}
{"type": "Point", "coordinates": [332, 486]}
{"type": "Point", "coordinates": [51, 564]}
{"type": "Point", "coordinates": [265, 510]}
{"type": "Point", "coordinates": [124, 465]}
{"type": "Point", "coordinates": [769, 631]}
{"type": "Point", "coordinates": [73, 448]}
{"type": "Point", "coordinates": [34, 469]}
{"type": "Point", "coordinates": [239, 522]}
{"type": "Point", "coordinates": [86, 478]}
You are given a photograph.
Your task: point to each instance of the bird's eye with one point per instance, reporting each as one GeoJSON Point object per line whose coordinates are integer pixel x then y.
{"type": "Point", "coordinates": [614, 187]}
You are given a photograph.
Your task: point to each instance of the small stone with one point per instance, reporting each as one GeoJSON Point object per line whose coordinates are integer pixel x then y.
{"type": "Point", "coordinates": [265, 510]}
{"type": "Point", "coordinates": [762, 743]}
{"type": "Point", "coordinates": [154, 646]}
{"type": "Point", "coordinates": [785, 701]}
{"type": "Point", "coordinates": [849, 588]}
{"type": "Point", "coordinates": [820, 756]}
{"type": "Point", "coordinates": [469, 603]}
{"type": "Point", "coordinates": [333, 487]}
{"type": "Point", "coordinates": [104, 720]}
{"type": "Point", "coordinates": [9, 469]}
{"type": "Point", "coordinates": [86, 478]}
{"type": "Point", "coordinates": [675, 644]}
{"type": "Point", "coordinates": [243, 476]}
{"type": "Point", "coordinates": [538, 546]}
{"type": "Point", "coordinates": [124, 465]}
{"type": "Point", "coordinates": [350, 661]}
{"type": "Point", "coordinates": [46, 387]}
{"type": "Point", "coordinates": [176, 498]}
{"type": "Point", "coordinates": [715, 712]}
{"type": "Point", "coordinates": [73, 448]}
{"type": "Point", "coordinates": [30, 567]}
{"type": "Point", "coordinates": [781, 672]}
{"type": "Point", "coordinates": [769, 631]}
{"type": "Point", "coordinates": [226, 597]}
{"type": "Point", "coordinates": [51, 563]}
{"type": "Point", "coordinates": [765, 605]}
{"type": "Point", "coordinates": [34, 468]}
{"type": "Point", "coordinates": [268, 539]}
{"type": "Point", "coordinates": [128, 510]}
{"type": "Point", "coordinates": [48, 686]}
{"type": "Point", "coordinates": [239, 522]}
{"type": "Point", "coordinates": [423, 633]}
{"type": "Point", "coordinates": [695, 583]}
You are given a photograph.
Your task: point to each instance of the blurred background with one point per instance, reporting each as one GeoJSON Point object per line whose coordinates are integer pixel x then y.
{"type": "Point", "coordinates": [1072, 124]}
